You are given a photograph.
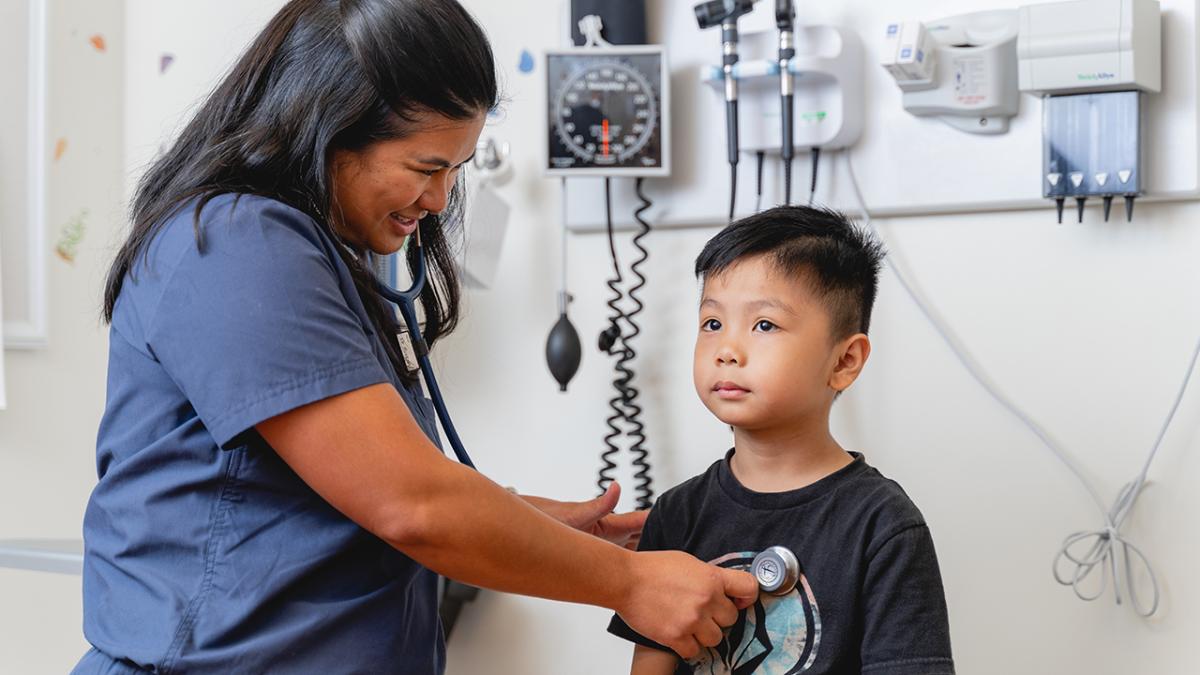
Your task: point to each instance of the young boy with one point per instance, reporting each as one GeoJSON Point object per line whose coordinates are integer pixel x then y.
{"type": "Point", "coordinates": [786, 303]}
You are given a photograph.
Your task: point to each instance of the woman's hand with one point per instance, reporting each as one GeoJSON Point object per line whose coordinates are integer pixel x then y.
{"type": "Point", "coordinates": [683, 603]}
{"type": "Point", "coordinates": [596, 517]}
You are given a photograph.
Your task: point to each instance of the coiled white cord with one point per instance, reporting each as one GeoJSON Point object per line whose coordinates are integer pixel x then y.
{"type": "Point", "coordinates": [1107, 544]}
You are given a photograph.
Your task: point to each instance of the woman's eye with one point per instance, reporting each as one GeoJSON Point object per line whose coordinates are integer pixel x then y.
{"type": "Point", "coordinates": [711, 324]}
{"type": "Point", "coordinates": [429, 172]}
{"type": "Point", "coordinates": [764, 326]}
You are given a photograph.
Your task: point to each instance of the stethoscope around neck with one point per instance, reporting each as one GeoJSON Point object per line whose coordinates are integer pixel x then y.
{"type": "Point", "coordinates": [406, 301]}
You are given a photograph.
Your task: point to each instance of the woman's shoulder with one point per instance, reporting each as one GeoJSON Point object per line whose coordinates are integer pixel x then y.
{"type": "Point", "coordinates": [228, 235]}
{"type": "Point", "coordinates": [225, 227]}
{"type": "Point", "coordinates": [234, 215]}
{"type": "Point", "coordinates": [245, 204]}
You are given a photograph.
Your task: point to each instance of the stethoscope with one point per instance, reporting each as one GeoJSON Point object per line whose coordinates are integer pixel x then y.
{"type": "Point", "coordinates": [776, 569]}
{"type": "Point", "coordinates": [406, 301]}
{"type": "Point", "coordinates": [490, 159]}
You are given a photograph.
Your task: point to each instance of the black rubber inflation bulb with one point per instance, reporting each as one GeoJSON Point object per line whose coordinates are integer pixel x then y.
{"type": "Point", "coordinates": [1107, 206]}
{"type": "Point", "coordinates": [1058, 204]}
{"type": "Point", "coordinates": [1129, 208]}
{"type": "Point", "coordinates": [1079, 202]}
{"type": "Point", "coordinates": [563, 351]}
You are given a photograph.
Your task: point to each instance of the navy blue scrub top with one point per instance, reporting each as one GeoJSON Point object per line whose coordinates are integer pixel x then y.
{"type": "Point", "coordinates": [204, 552]}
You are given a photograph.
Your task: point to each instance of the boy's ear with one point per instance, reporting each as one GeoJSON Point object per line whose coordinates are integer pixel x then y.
{"type": "Point", "coordinates": [854, 352]}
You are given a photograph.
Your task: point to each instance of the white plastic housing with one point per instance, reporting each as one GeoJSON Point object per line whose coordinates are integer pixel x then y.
{"type": "Point", "coordinates": [974, 84]}
{"type": "Point", "coordinates": [1090, 46]}
{"type": "Point", "coordinates": [829, 100]}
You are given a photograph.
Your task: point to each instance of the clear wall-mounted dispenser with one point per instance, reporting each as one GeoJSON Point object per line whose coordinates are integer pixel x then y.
{"type": "Point", "coordinates": [1091, 60]}
{"type": "Point", "coordinates": [962, 69]}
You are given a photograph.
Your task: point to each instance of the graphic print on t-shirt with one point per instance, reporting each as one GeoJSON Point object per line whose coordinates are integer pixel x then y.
{"type": "Point", "coordinates": [778, 635]}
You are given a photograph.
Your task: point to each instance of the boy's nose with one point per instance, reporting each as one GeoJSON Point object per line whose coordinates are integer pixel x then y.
{"type": "Point", "coordinates": [728, 356]}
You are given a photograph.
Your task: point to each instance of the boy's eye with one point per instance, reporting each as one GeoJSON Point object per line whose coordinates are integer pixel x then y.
{"type": "Point", "coordinates": [711, 325]}
{"type": "Point", "coordinates": [764, 326]}
{"type": "Point", "coordinates": [428, 172]}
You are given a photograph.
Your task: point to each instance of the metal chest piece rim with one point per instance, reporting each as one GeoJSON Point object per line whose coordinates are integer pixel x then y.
{"type": "Point", "coordinates": [777, 570]}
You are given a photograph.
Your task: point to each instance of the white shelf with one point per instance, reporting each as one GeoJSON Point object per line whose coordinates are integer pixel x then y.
{"type": "Point", "coordinates": [61, 556]}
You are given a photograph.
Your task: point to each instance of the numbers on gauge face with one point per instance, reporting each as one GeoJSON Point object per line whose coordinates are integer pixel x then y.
{"type": "Point", "coordinates": [605, 113]}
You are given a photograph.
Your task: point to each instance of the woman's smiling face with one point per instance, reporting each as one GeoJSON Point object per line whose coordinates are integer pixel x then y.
{"type": "Point", "coordinates": [382, 191]}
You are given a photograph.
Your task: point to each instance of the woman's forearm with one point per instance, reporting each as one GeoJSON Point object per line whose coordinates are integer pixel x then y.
{"type": "Point", "coordinates": [364, 453]}
{"type": "Point", "coordinates": [470, 529]}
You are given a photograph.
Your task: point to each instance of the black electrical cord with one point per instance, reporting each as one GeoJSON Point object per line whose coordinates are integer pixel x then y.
{"type": "Point", "coordinates": [726, 14]}
{"type": "Point", "coordinates": [816, 163]}
{"type": "Point", "coordinates": [607, 343]}
{"type": "Point", "coordinates": [624, 406]}
{"type": "Point", "coordinates": [762, 159]}
{"type": "Point", "coordinates": [637, 433]}
{"type": "Point", "coordinates": [785, 20]}
{"type": "Point", "coordinates": [787, 181]}
{"type": "Point", "coordinates": [731, 130]}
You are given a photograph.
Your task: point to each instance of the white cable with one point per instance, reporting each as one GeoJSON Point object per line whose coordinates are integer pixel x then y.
{"type": "Point", "coordinates": [564, 296]}
{"type": "Point", "coordinates": [1103, 541]}
{"type": "Point", "coordinates": [564, 234]}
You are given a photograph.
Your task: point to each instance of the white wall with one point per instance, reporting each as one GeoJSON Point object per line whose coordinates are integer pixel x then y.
{"type": "Point", "coordinates": [1087, 326]}
{"type": "Point", "coordinates": [56, 395]}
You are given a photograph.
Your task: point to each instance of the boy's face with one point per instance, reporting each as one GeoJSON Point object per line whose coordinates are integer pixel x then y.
{"type": "Point", "coordinates": [765, 354]}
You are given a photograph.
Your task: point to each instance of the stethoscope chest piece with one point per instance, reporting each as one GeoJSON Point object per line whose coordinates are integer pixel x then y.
{"type": "Point", "coordinates": [777, 570]}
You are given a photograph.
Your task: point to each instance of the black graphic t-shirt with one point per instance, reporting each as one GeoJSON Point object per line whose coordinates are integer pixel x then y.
{"type": "Point", "coordinates": [870, 596]}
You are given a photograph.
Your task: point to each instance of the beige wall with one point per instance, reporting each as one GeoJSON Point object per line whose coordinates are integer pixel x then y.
{"type": "Point", "coordinates": [56, 394]}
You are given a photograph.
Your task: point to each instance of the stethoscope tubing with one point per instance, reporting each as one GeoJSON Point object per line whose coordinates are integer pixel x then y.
{"type": "Point", "coordinates": [406, 301]}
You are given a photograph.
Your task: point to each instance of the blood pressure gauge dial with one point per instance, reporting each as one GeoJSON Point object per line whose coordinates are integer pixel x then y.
{"type": "Point", "coordinates": [607, 111]}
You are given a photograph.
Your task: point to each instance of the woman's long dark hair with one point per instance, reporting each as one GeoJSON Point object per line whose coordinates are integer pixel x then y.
{"type": "Point", "coordinates": [325, 75]}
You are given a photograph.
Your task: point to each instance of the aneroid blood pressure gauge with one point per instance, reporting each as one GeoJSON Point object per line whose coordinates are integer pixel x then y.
{"type": "Point", "coordinates": [607, 109]}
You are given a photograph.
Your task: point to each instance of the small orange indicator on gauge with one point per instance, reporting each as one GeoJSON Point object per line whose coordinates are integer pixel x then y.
{"type": "Point", "coordinates": [604, 128]}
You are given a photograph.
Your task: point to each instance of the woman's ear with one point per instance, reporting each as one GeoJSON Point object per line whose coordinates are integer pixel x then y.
{"type": "Point", "coordinates": [853, 353]}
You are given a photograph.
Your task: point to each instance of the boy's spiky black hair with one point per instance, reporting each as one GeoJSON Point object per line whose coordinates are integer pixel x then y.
{"type": "Point", "coordinates": [838, 259]}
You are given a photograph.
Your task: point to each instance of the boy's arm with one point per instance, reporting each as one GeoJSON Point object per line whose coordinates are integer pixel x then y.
{"type": "Point", "coordinates": [650, 661]}
{"type": "Point", "coordinates": [906, 630]}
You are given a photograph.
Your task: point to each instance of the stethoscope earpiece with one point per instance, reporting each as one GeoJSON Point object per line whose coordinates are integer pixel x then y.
{"type": "Point", "coordinates": [777, 570]}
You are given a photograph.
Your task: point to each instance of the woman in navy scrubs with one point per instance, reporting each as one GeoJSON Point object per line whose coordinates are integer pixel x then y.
{"type": "Point", "coordinates": [271, 495]}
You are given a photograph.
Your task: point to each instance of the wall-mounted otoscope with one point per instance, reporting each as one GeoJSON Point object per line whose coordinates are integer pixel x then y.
{"type": "Point", "coordinates": [785, 19]}
{"type": "Point", "coordinates": [725, 13]}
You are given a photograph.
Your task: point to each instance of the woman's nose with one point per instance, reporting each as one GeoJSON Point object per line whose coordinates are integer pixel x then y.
{"type": "Point", "coordinates": [437, 193]}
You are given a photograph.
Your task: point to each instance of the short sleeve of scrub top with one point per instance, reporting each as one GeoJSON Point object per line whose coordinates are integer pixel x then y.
{"type": "Point", "coordinates": [204, 552]}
